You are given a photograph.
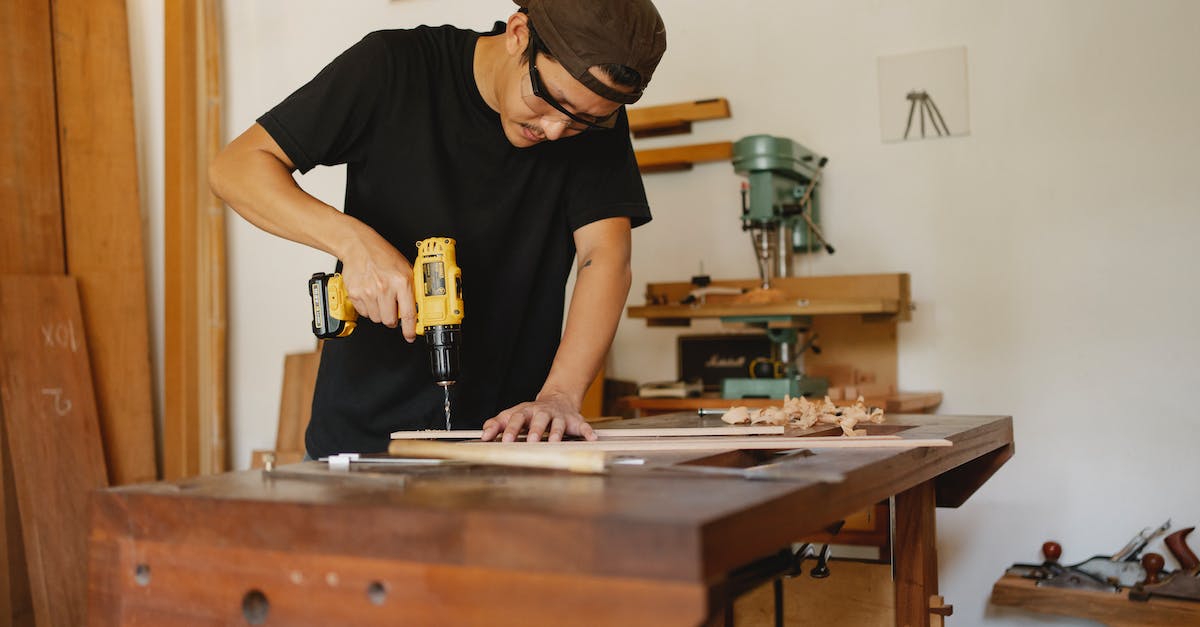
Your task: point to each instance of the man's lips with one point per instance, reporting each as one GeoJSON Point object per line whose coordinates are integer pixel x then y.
{"type": "Point", "coordinates": [530, 135]}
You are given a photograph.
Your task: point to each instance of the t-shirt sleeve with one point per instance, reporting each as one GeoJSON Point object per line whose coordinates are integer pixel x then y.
{"type": "Point", "coordinates": [325, 121]}
{"type": "Point", "coordinates": [604, 181]}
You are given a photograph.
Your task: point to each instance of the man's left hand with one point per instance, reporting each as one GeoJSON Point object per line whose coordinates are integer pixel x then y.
{"type": "Point", "coordinates": [549, 415]}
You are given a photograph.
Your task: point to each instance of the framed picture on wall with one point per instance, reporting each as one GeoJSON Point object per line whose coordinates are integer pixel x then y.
{"type": "Point", "coordinates": [923, 95]}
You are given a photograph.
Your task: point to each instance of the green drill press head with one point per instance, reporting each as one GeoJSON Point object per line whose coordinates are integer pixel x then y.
{"type": "Point", "coordinates": [780, 172]}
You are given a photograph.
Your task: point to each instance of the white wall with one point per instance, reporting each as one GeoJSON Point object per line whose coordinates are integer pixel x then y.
{"type": "Point", "coordinates": [1051, 251]}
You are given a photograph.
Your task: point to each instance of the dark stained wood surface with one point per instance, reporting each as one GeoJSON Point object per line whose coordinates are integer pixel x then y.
{"type": "Point", "coordinates": [440, 526]}
{"type": "Point", "coordinates": [915, 555]}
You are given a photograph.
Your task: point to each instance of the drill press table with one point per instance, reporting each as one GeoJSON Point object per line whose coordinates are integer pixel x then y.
{"type": "Point", "coordinates": [465, 545]}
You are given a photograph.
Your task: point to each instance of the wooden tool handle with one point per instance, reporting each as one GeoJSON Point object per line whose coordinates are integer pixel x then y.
{"type": "Point", "coordinates": [513, 454]}
{"type": "Point", "coordinates": [1052, 551]}
{"type": "Point", "coordinates": [1177, 543]}
{"type": "Point", "coordinates": [1153, 563]}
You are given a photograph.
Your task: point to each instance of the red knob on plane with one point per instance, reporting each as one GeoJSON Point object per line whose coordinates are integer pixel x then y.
{"type": "Point", "coordinates": [1052, 550]}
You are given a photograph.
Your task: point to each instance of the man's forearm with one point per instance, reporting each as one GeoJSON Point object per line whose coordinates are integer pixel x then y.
{"type": "Point", "coordinates": [252, 176]}
{"type": "Point", "coordinates": [601, 286]}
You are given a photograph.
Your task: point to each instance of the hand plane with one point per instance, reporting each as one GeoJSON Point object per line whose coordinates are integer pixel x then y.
{"type": "Point", "coordinates": [1119, 569]}
{"type": "Point", "coordinates": [1182, 584]}
{"type": "Point", "coordinates": [1051, 574]}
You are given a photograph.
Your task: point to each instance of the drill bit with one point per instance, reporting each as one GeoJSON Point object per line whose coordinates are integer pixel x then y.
{"type": "Point", "coordinates": [446, 404]}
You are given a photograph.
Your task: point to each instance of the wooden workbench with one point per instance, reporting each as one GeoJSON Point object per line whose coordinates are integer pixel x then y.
{"type": "Point", "coordinates": [474, 545]}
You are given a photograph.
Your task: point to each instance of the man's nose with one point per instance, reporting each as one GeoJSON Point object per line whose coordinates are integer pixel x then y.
{"type": "Point", "coordinates": [553, 129]}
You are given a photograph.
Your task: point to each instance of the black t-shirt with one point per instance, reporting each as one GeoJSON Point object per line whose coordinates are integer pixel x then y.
{"type": "Point", "coordinates": [427, 157]}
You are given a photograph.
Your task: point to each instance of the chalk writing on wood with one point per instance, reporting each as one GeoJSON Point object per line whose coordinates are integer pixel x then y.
{"type": "Point", "coordinates": [62, 405]}
{"type": "Point", "coordinates": [60, 335]}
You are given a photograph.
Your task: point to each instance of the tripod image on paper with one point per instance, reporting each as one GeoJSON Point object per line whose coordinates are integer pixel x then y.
{"type": "Point", "coordinates": [924, 102]}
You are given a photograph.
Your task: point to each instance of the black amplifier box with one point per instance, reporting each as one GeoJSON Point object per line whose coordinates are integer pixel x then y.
{"type": "Point", "coordinates": [712, 358]}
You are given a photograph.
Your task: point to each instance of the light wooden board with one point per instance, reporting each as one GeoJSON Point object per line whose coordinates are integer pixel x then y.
{"type": "Point", "coordinates": [50, 418]}
{"type": "Point", "coordinates": [669, 432]}
{"type": "Point", "coordinates": [194, 422]}
{"type": "Point", "coordinates": [592, 461]}
{"type": "Point", "coordinates": [295, 402]}
{"type": "Point", "coordinates": [715, 444]}
{"type": "Point", "coordinates": [30, 202]}
{"type": "Point", "coordinates": [103, 223]}
{"type": "Point", "coordinates": [866, 346]}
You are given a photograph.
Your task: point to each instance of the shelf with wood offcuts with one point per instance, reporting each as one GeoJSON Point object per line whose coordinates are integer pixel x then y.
{"type": "Point", "coordinates": [863, 294]}
{"type": "Point", "coordinates": [798, 307]}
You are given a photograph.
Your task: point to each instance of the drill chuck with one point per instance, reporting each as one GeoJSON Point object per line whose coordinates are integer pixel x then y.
{"type": "Point", "coordinates": [444, 342]}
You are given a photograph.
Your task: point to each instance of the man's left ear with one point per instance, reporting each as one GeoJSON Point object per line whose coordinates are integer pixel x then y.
{"type": "Point", "coordinates": [516, 34]}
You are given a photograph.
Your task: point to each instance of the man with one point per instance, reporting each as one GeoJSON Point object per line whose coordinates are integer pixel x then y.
{"type": "Point", "coordinates": [515, 143]}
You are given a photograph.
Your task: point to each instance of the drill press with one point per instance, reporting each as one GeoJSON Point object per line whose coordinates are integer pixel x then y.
{"type": "Point", "coordinates": [781, 212]}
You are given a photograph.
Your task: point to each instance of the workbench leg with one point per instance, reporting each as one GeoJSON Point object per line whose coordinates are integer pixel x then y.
{"type": "Point", "coordinates": [914, 555]}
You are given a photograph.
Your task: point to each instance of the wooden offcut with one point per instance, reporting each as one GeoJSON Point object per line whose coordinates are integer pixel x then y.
{"type": "Point", "coordinates": [679, 158]}
{"type": "Point", "coordinates": [295, 409]}
{"type": "Point", "coordinates": [103, 223]}
{"type": "Point", "coordinates": [507, 455]}
{"type": "Point", "coordinates": [670, 119]}
{"type": "Point", "coordinates": [295, 401]}
{"type": "Point", "coordinates": [53, 432]}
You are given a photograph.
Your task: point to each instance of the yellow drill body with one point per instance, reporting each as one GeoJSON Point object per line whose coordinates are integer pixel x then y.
{"type": "Point", "coordinates": [437, 286]}
{"type": "Point", "coordinates": [437, 289]}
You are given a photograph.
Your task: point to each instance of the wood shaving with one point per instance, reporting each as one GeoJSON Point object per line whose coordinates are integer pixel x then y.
{"type": "Point", "coordinates": [804, 413]}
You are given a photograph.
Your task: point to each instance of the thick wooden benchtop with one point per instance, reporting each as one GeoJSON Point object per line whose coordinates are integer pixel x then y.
{"type": "Point", "coordinates": [666, 543]}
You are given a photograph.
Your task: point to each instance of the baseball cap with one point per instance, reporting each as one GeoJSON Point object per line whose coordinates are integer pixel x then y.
{"type": "Point", "coordinates": [583, 33]}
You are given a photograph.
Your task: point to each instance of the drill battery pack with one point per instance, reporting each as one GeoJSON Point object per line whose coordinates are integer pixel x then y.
{"type": "Point", "coordinates": [332, 314]}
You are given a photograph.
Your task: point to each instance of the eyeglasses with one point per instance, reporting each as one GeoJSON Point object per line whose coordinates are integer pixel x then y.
{"type": "Point", "coordinates": [540, 96]}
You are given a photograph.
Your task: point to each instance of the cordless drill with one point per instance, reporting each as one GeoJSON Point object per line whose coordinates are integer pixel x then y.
{"type": "Point", "coordinates": [437, 289]}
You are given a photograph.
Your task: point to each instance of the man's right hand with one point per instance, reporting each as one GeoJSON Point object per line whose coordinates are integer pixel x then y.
{"type": "Point", "coordinates": [379, 281]}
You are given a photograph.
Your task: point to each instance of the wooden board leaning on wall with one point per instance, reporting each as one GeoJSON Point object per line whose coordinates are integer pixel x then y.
{"type": "Point", "coordinates": [53, 432]}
